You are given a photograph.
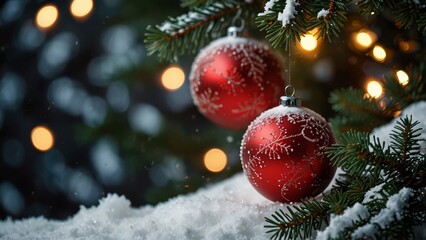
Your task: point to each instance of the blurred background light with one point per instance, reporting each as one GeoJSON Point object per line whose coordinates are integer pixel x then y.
{"type": "Point", "coordinates": [145, 118]}
{"type": "Point", "coordinates": [12, 91]}
{"type": "Point", "coordinates": [80, 9]}
{"type": "Point", "coordinates": [13, 153]}
{"type": "Point", "coordinates": [12, 10]}
{"type": "Point", "coordinates": [56, 53]}
{"type": "Point", "coordinates": [215, 160]}
{"type": "Point", "coordinates": [323, 70]}
{"type": "Point", "coordinates": [30, 37]}
{"type": "Point", "coordinates": [119, 39]}
{"type": "Point", "coordinates": [47, 16]}
{"type": "Point", "coordinates": [42, 138]}
{"type": "Point", "coordinates": [122, 51]}
{"type": "Point", "coordinates": [374, 88]}
{"type": "Point", "coordinates": [94, 111]}
{"type": "Point", "coordinates": [173, 78]}
{"type": "Point", "coordinates": [379, 53]}
{"type": "Point", "coordinates": [83, 188]}
{"type": "Point", "coordinates": [106, 162]}
{"type": "Point", "coordinates": [67, 94]}
{"type": "Point", "coordinates": [402, 77]}
{"type": "Point", "coordinates": [11, 198]}
{"type": "Point", "coordinates": [118, 96]}
{"type": "Point", "coordinates": [308, 42]}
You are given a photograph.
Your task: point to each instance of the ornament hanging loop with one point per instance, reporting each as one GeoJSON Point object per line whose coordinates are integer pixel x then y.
{"type": "Point", "coordinates": [237, 24]}
{"type": "Point", "coordinates": [290, 91]}
{"type": "Point", "coordinates": [289, 100]}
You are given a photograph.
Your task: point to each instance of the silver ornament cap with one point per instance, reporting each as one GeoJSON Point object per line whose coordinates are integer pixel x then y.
{"type": "Point", "coordinates": [290, 101]}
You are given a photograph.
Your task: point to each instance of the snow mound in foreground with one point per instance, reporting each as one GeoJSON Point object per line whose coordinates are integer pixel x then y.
{"type": "Point", "coordinates": [231, 209]}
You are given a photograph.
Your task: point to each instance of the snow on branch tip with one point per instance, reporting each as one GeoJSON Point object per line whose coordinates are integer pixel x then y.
{"type": "Point", "coordinates": [289, 12]}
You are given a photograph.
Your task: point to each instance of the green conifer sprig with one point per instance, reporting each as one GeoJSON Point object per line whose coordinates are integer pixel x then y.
{"type": "Point", "coordinates": [207, 20]}
{"type": "Point", "coordinates": [329, 26]}
{"type": "Point", "coordinates": [359, 111]}
{"type": "Point", "coordinates": [189, 32]}
{"type": "Point", "coordinates": [279, 35]}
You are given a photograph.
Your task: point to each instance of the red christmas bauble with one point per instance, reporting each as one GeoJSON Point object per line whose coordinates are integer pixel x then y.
{"type": "Point", "coordinates": [282, 153]}
{"type": "Point", "coordinates": [234, 79]}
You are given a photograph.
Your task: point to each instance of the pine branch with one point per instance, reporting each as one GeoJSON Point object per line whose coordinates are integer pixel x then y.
{"type": "Point", "coordinates": [413, 91]}
{"type": "Point", "coordinates": [360, 112]}
{"type": "Point", "coordinates": [355, 153]}
{"type": "Point", "coordinates": [406, 147]}
{"type": "Point", "coordinates": [421, 23]}
{"type": "Point", "coordinates": [191, 31]}
{"type": "Point", "coordinates": [329, 19]}
{"type": "Point", "coordinates": [196, 3]}
{"type": "Point", "coordinates": [299, 221]}
{"type": "Point", "coordinates": [366, 7]}
{"type": "Point", "coordinates": [284, 22]}
{"type": "Point", "coordinates": [402, 158]}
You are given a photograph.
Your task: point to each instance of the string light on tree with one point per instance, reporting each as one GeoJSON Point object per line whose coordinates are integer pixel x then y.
{"type": "Point", "coordinates": [364, 39]}
{"type": "Point", "coordinates": [408, 46]}
{"type": "Point", "coordinates": [215, 160]}
{"type": "Point", "coordinates": [379, 53]}
{"type": "Point", "coordinates": [42, 138]}
{"type": "Point", "coordinates": [47, 16]}
{"type": "Point", "coordinates": [173, 78]}
{"type": "Point", "coordinates": [402, 77]}
{"type": "Point", "coordinates": [374, 88]}
{"type": "Point", "coordinates": [80, 9]}
{"type": "Point", "coordinates": [308, 42]}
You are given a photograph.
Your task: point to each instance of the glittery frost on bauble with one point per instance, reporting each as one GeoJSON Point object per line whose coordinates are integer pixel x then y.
{"type": "Point", "coordinates": [234, 79]}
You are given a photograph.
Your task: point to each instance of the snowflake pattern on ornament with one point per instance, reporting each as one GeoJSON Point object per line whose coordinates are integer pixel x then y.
{"type": "Point", "coordinates": [233, 79]}
{"type": "Point", "coordinates": [207, 101]}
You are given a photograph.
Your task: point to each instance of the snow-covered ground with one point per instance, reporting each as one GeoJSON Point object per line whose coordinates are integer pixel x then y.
{"type": "Point", "coordinates": [231, 209]}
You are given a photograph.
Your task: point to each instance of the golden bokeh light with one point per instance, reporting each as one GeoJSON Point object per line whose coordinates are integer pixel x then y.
{"type": "Point", "coordinates": [47, 16]}
{"type": "Point", "coordinates": [374, 88]}
{"type": "Point", "coordinates": [364, 39]}
{"type": "Point", "coordinates": [173, 78]}
{"type": "Point", "coordinates": [308, 42]}
{"type": "Point", "coordinates": [42, 138]}
{"type": "Point", "coordinates": [404, 46]}
{"type": "Point", "coordinates": [215, 160]}
{"type": "Point", "coordinates": [379, 53]}
{"type": "Point", "coordinates": [80, 9]}
{"type": "Point", "coordinates": [402, 77]}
